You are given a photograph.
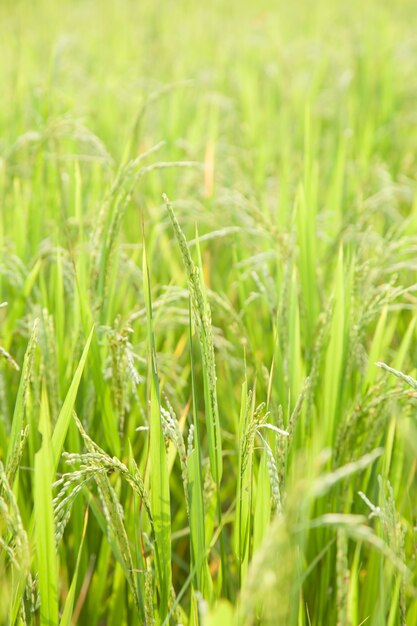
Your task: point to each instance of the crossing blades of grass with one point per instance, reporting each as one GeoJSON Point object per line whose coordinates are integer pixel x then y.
{"type": "Point", "coordinates": [64, 417]}
{"type": "Point", "coordinates": [67, 612]}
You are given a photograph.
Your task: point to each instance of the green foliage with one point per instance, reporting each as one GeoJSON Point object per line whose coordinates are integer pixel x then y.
{"type": "Point", "coordinates": [207, 404]}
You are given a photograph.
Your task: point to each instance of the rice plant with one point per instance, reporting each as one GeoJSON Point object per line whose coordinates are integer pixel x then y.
{"type": "Point", "coordinates": [208, 313]}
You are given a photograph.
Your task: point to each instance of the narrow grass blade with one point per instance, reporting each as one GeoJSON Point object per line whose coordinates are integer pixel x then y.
{"type": "Point", "coordinates": [195, 481]}
{"type": "Point", "coordinates": [18, 414]}
{"type": "Point", "coordinates": [44, 522]}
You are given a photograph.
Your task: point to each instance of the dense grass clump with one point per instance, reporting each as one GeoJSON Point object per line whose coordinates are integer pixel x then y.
{"type": "Point", "coordinates": [208, 313]}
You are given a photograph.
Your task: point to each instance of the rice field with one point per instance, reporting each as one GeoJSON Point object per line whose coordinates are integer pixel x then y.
{"type": "Point", "coordinates": [208, 306]}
